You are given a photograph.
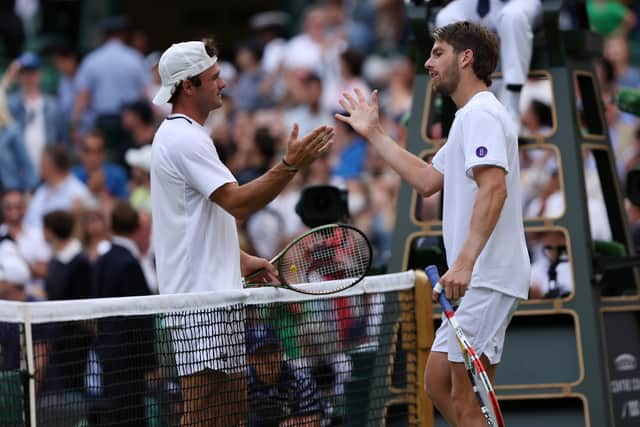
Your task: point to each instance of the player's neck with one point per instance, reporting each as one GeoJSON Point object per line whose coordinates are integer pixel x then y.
{"type": "Point", "coordinates": [466, 90]}
{"type": "Point", "coordinates": [190, 112]}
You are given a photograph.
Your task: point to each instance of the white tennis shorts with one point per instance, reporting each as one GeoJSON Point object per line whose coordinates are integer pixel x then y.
{"type": "Point", "coordinates": [212, 339]}
{"type": "Point", "coordinates": [483, 315]}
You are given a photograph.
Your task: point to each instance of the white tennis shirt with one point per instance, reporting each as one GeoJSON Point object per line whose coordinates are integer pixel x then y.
{"type": "Point", "coordinates": [482, 133]}
{"type": "Point", "coordinates": [195, 240]}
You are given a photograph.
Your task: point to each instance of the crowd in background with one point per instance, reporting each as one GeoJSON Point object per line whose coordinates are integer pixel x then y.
{"type": "Point", "coordinates": [84, 147]}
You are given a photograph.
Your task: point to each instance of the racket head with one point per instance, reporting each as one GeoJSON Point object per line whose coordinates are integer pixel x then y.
{"type": "Point", "coordinates": [336, 253]}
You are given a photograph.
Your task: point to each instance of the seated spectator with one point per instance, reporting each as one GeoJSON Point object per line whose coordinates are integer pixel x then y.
{"type": "Point", "coordinates": [95, 234]}
{"type": "Point", "coordinates": [311, 113]}
{"type": "Point", "coordinates": [118, 274]}
{"type": "Point", "coordinates": [137, 119]}
{"type": "Point", "coordinates": [69, 275]}
{"type": "Point", "coordinates": [29, 241]}
{"type": "Point", "coordinates": [95, 167]}
{"type": "Point", "coordinates": [14, 275]}
{"type": "Point", "coordinates": [59, 190]}
{"type": "Point", "coordinates": [351, 149]}
{"type": "Point", "coordinates": [551, 272]}
{"type": "Point", "coordinates": [350, 78]}
{"type": "Point", "coordinates": [279, 394]}
{"type": "Point", "coordinates": [38, 115]}
{"type": "Point", "coordinates": [537, 119]}
{"type": "Point", "coordinates": [139, 160]}
{"type": "Point", "coordinates": [247, 89]}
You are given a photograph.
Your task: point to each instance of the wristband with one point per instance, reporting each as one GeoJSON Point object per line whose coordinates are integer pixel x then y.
{"type": "Point", "coordinates": [289, 166]}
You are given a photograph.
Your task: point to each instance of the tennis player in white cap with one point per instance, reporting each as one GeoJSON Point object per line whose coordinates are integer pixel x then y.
{"type": "Point", "coordinates": [195, 203]}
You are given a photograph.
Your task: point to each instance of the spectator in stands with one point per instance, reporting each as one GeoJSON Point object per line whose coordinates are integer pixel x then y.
{"type": "Point", "coordinates": [14, 275]}
{"type": "Point", "coordinates": [280, 394]}
{"type": "Point", "coordinates": [247, 88]}
{"type": "Point", "coordinates": [69, 276]}
{"type": "Point", "coordinates": [118, 274]}
{"type": "Point", "coordinates": [351, 150]}
{"type": "Point", "coordinates": [95, 167]}
{"type": "Point", "coordinates": [310, 113]}
{"type": "Point", "coordinates": [16, 168]}
{"type": "Point", "coordinates": [138, 121]}
{"type": "Point", "coordinates": [513, 21]}
{"type": "Point", "coordinates": [551, 272]}
{"type": "Point", "coordinates": [66, 61]}
{"type": "Point", "coordinates": [139, 160]}
{"type": "Point", "coordinates": [350, 78]}
{"type": "Point", "coordinates": [95, 234]}
{"type": "Point", "coordinates": [109, 77]}
{"type": "Point", "coordinates": [537, 119]}
{"type": "Point", "coordinates": [29, 241]}
{"type": "Point", "coordinates": [270, 29]}
{"type": "Point", "coordinates": [59, 190]}
{"type": "Point", "coordinates": [616, 50]}
{"type": "Point", "coordinates": [38, 115]}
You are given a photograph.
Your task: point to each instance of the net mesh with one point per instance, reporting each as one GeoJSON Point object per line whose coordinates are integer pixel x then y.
{"type": "Point", "coordinates": [262, 357]}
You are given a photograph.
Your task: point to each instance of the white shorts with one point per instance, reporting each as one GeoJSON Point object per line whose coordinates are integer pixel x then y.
{"type": "Point", "coordinates": [483, 315]}
{"type": "Point", "coordinates": [209, 339]}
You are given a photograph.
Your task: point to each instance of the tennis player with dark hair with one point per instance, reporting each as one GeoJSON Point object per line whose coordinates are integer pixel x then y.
{"type": "Point", "coordinates": [195, 203]}
{"type": "Point", "coordinates": [482, 217]}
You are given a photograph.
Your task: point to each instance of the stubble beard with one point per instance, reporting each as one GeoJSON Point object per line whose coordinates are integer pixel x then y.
{"type": "Point", "coordinates": [448, 86]}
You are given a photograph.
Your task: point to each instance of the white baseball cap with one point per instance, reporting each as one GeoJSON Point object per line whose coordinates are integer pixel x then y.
{"type": "Point", "coordinates": [179, 62]}
{"type": "Point", "coordinates": [14, 269]}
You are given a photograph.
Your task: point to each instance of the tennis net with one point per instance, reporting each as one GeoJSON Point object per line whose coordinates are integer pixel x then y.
{"type": "Point", "coordinates": [255, 357]}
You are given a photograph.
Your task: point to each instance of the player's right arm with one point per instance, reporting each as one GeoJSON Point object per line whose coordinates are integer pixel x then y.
{"type": "Point", "coordinates": [363, 118]}
{"type": "Point", "coordinates": [243, 200]}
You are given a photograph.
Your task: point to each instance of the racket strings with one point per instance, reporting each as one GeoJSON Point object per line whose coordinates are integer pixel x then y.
{"type": "Point", "coordinates": [327, 254]}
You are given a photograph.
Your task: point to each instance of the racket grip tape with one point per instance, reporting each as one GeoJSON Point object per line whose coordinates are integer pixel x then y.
{"type": "Point", "coordinates": [432, 273]}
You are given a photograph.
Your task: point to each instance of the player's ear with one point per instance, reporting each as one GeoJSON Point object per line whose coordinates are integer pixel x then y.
{"type": "Point", "coordinates": [466, 59]}
{"type": "Point", "coordinates": [187, 86]}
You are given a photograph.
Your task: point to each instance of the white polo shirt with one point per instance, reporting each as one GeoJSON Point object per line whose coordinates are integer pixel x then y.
{"type": "Point", "coordinates": [482, 133]}
{"type": "Point", "coordinates": [195, 240]}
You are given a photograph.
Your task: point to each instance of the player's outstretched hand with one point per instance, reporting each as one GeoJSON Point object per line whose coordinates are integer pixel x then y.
{"type": "Point", "coordinates": [301, 152]}
{"type": "Point", "coordinates": [363, 116]}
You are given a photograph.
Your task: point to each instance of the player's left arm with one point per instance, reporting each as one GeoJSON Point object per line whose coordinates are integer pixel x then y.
{"type": "Point", "coordinates": [490, 198]}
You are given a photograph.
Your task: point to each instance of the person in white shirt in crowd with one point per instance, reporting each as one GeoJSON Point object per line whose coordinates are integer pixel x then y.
{"type": "Point", "coordinates": [29, 241]}
{"type": "Point", "coordinates": [270, 27]}
{"type": "Point", "coordinates": [195, 203]}
{"type": "Point", "coordinates": [551, 271]}
{"type": "Point", "coordinates": [513, 21]}
{"type": "Point", "coordinates": [350, 65]}
{"type": "Point", "coordinates": [60, 188]}
{"type": "Point", "coordinates": [310, 113]}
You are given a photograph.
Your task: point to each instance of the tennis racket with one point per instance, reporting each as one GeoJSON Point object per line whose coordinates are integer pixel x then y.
{"type": "Point", "coordinates": [335, 253]}
{"type": "Point", "coordinates": [478, 376]}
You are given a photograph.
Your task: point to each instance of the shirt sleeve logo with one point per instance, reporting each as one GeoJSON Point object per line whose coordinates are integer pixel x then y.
{"type": "Point", "coordinates": [481, 151]}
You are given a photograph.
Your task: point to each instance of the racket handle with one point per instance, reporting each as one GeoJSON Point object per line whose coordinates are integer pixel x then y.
{"type": "Point", "coordinates": [434, 278]}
